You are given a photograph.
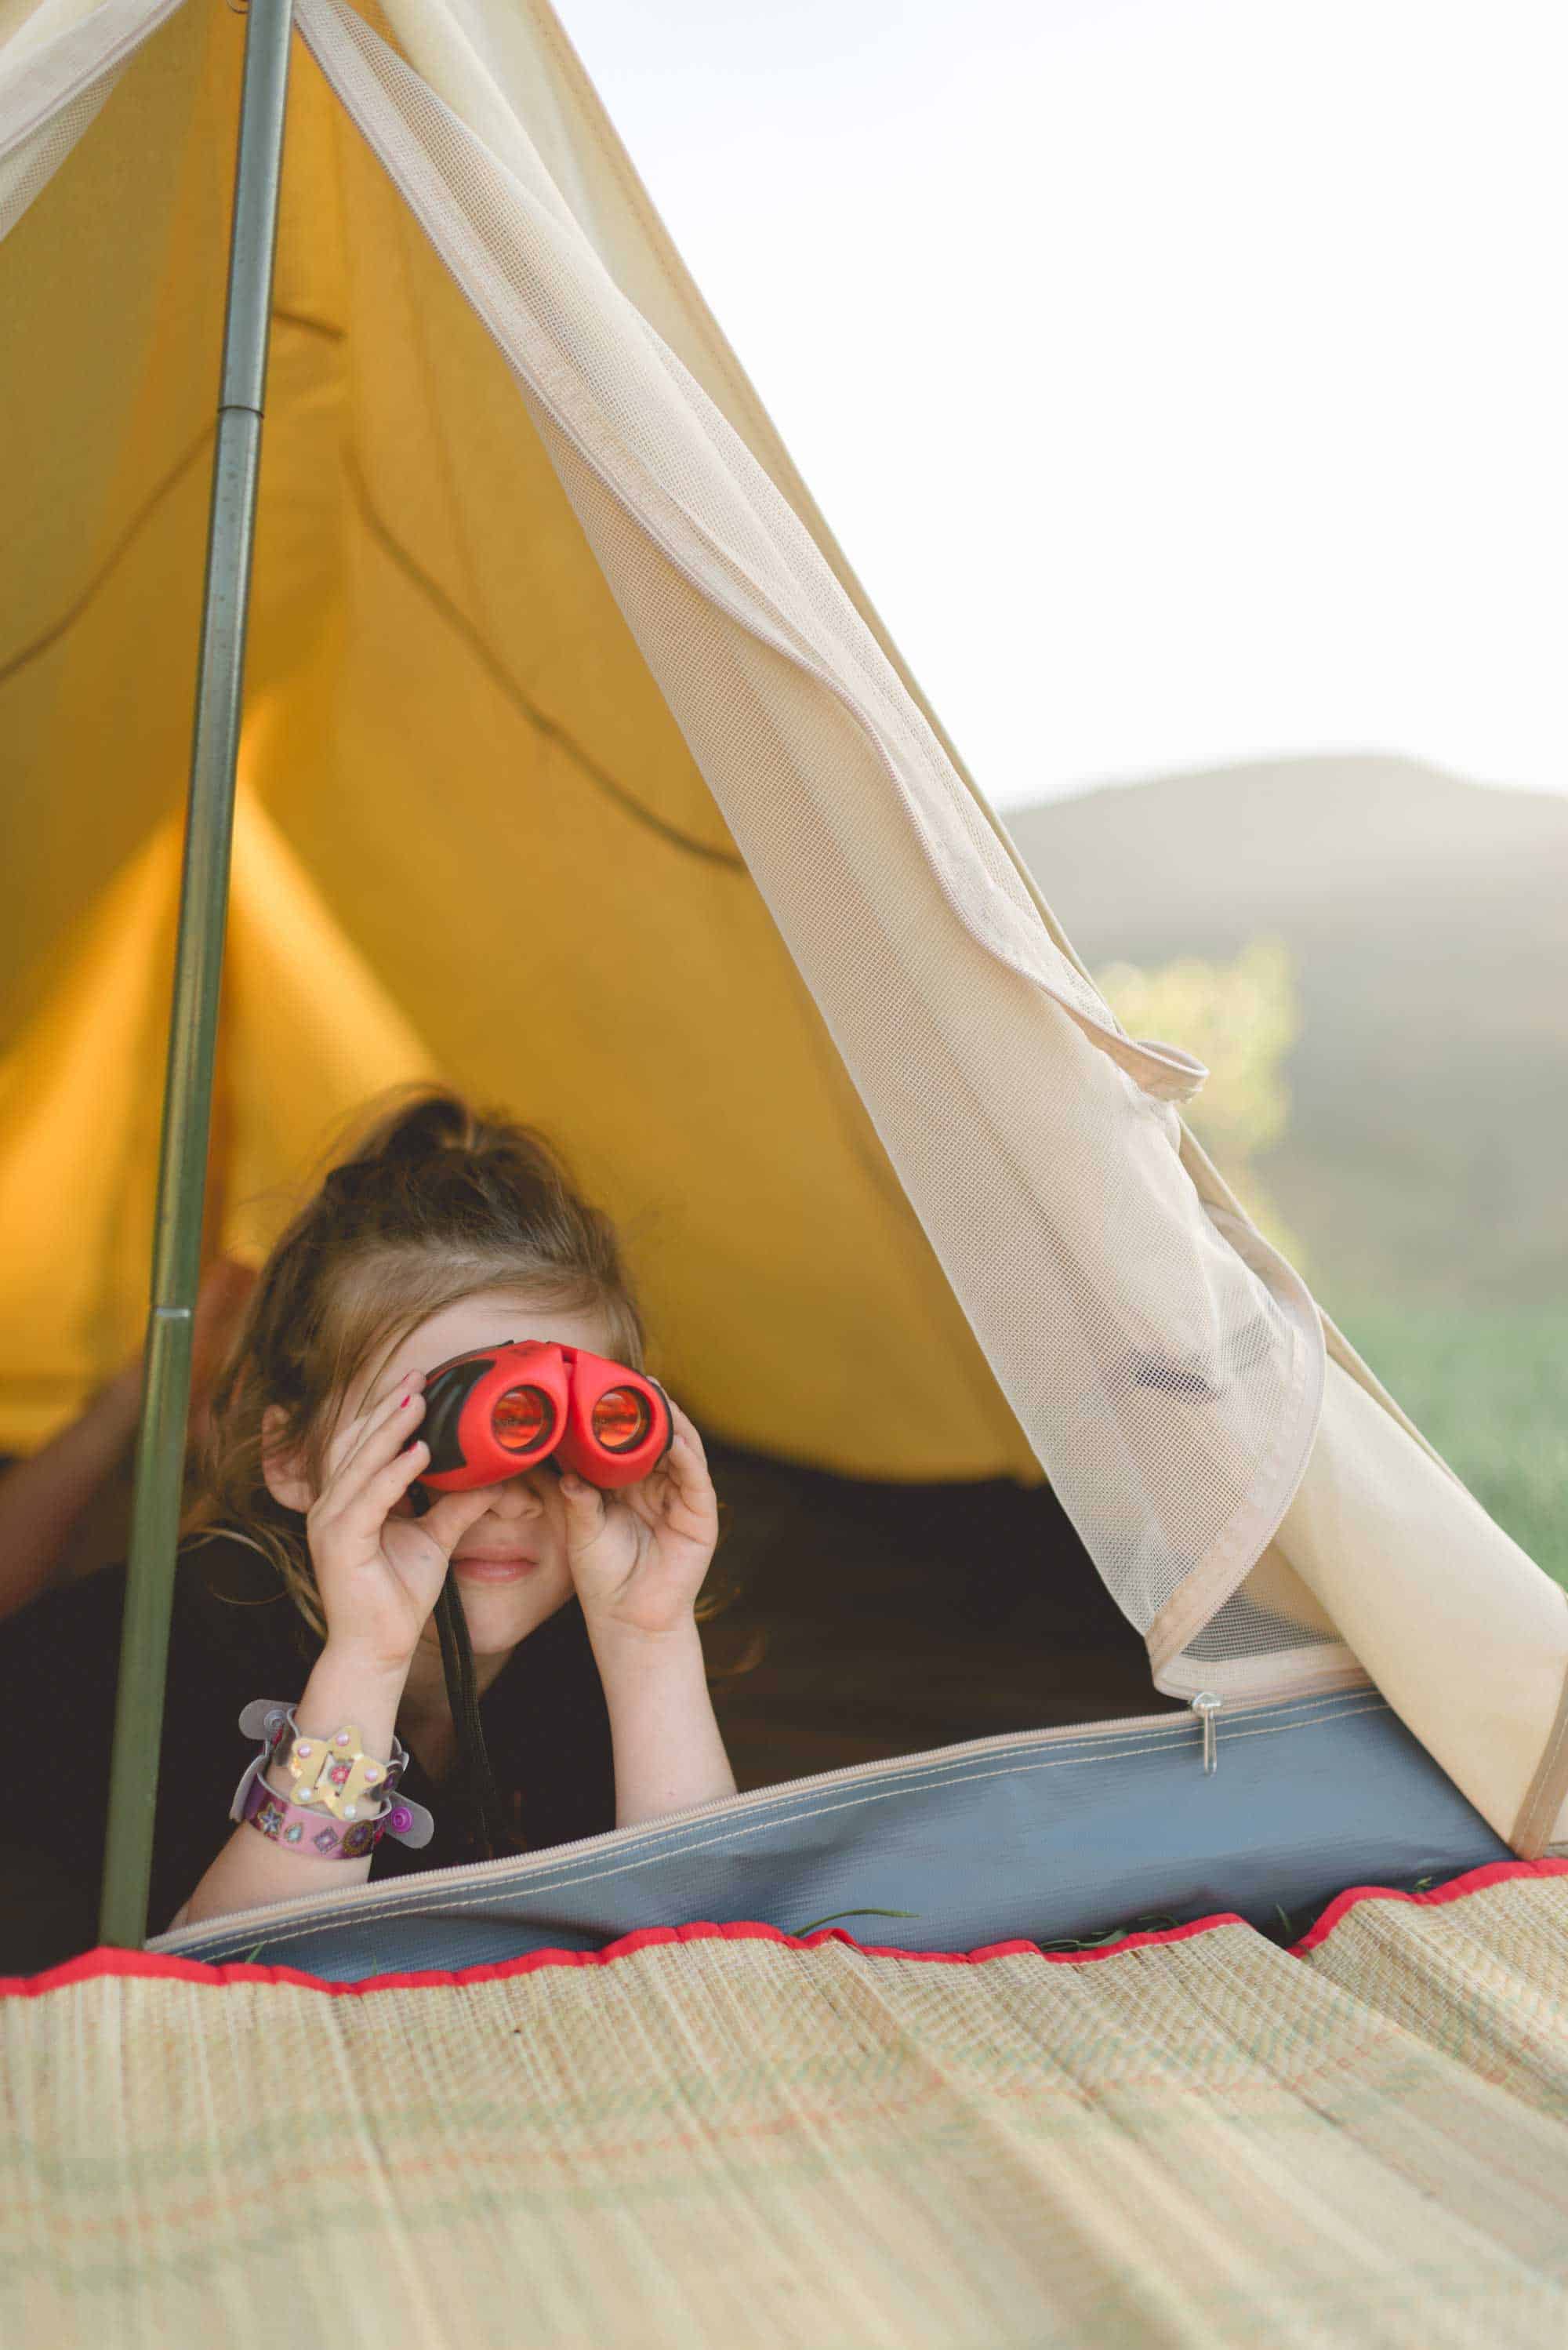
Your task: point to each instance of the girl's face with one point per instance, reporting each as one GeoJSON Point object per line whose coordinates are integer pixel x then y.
{"type": "Point", "coordinates": [511, 1566]}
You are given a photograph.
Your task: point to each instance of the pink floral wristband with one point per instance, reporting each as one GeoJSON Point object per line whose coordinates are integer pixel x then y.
{"type": "Point", "coordinates": [306, 1831]}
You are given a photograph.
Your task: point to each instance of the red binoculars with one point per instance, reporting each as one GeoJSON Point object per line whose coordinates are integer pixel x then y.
{"type": "Point", "coordinates": [492, 1414]}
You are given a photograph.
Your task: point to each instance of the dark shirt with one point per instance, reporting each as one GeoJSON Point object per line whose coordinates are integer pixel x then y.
{"type": "Point", "coordinates": [236, 1636]}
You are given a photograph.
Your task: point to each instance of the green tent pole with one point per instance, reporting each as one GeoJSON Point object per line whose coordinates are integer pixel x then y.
{"type": "Point", "coordinates": [198, 968]}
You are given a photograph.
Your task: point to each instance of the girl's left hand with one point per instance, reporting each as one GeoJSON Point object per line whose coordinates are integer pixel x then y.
{"type": "Point", "coordinates": [637, 1557]}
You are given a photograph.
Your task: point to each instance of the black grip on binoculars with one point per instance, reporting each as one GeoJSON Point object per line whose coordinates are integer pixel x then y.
{"type": "Point", "coordinates": [443, 1410]}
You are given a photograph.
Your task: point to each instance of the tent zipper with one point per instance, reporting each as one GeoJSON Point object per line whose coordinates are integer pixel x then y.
{"type": "Point", "coordinates": [1206, 1705]}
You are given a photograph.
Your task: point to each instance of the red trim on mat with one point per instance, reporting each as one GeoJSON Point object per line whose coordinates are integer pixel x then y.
{"type": "Point", "coordinates": [141, 1965]}
{"type": "Point", "coordinates": [1475, 1880]}
{"type": "Point", "coordinates": [144, 1965]}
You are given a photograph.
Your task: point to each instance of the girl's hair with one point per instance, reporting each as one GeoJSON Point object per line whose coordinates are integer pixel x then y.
{"type": "Point", "coordinates": [434, 1202]}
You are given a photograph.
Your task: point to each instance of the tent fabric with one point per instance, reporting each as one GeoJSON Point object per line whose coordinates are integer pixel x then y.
{"type": "Point", "coordinates": [720, 2135]}
{"type": "Point", "coordinates": [894, 892]}
{"type": "Point", "coordinates": [1176, 1429]}
{"type": "Point", "coordinates": [567, 715]}
{"type": "Point", "coordinates": [305, 1019]}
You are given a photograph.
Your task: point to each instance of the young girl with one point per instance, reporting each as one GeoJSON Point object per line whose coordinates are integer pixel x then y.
{"type": "Point", "coordinates": [313, 1581]}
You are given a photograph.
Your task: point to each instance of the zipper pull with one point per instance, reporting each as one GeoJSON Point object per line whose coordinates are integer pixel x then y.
{"type": "Point", "coordinates": [1206, 1705]}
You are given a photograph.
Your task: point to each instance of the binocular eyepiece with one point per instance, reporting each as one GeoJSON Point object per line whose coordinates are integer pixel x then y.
{"type": "Point", "coordinates": [500, 1411]}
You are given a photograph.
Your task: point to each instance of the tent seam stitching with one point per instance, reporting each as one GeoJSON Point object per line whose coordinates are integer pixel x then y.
{"type": "Point", "coordinates": [100, 579]}
{"type": "Point", "coordinates": [548, 728]}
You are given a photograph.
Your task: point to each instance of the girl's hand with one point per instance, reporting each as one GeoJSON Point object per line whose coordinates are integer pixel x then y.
{"type": "Point", "coordinates": [637, 1557]}
{"type": "Point", "coordinates": [380, 1575]}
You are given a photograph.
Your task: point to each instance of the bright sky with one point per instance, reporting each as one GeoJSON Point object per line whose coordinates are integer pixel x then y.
{"type": "Point", "coordinates": [1185, 379]}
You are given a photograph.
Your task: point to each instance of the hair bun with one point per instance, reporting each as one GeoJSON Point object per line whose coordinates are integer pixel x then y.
{"type": "Point", "coordinates": [420, 1130]}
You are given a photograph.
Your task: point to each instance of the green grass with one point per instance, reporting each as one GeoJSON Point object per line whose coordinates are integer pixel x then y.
{"type": "Point", "coordinates": [1489, 1390]}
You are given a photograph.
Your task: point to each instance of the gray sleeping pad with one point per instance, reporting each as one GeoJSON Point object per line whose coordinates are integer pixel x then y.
{"type": "Point", "coordinates": [1037, 1838]}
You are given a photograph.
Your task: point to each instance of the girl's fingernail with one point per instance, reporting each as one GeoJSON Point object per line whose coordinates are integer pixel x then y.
{"type": "Point", "coordinates": [404, 1401]}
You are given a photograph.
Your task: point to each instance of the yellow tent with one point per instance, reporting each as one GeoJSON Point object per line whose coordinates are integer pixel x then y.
{"type": "Point", "coordinates": [475, 838]}
{"type": "Point", "coordinates": [577, 768]}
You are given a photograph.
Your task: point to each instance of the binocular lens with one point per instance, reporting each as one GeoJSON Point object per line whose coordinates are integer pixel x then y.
{"type": "Point", "coordinates": [523, 1417]}
{"type": "Point", "coordinates": [621, 1419]}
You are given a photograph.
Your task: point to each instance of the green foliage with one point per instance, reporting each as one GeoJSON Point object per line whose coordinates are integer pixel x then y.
{"type": "Point", "coordinates": [835, 1917]}
{"type": "Point", "coordinates": [1241, 1018]}
{"type": "Point", "coordinates": [1489, 1390]}
{"type": "Point", "coordinates": [1488, 1386]}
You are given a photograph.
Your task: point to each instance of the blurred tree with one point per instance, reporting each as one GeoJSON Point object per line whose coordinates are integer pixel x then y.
{"type": "Point", "coordinates": [1241, 1018]}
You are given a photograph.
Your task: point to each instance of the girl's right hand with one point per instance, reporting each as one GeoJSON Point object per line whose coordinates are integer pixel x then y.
{"type": "Point", "coordinates": [380, 1575]}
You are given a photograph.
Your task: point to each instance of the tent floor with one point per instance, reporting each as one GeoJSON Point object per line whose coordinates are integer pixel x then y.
{"type": "Point", "coordinates": [867, 1621]}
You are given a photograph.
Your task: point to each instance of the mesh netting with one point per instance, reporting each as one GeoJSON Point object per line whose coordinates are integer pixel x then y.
{"type": "Point", "coordinates": [60, 68]}
{"type": "Point", "coordinates": [30, 166]}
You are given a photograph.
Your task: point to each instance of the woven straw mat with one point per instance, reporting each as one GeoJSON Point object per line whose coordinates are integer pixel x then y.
{"type": "Point", "coordinates": [721, 2138]}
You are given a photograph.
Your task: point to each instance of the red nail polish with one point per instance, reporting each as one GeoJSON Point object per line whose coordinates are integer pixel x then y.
{"type": "Point", "coordinates": [400, 1406]}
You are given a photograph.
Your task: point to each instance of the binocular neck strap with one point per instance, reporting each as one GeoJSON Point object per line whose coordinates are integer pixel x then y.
{"type": "Point", "coordinates": [462, 1696]}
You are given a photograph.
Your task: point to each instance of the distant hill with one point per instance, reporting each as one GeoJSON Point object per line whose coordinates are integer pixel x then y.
{"type": "Point", "coordinates": [1427, 1152]}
